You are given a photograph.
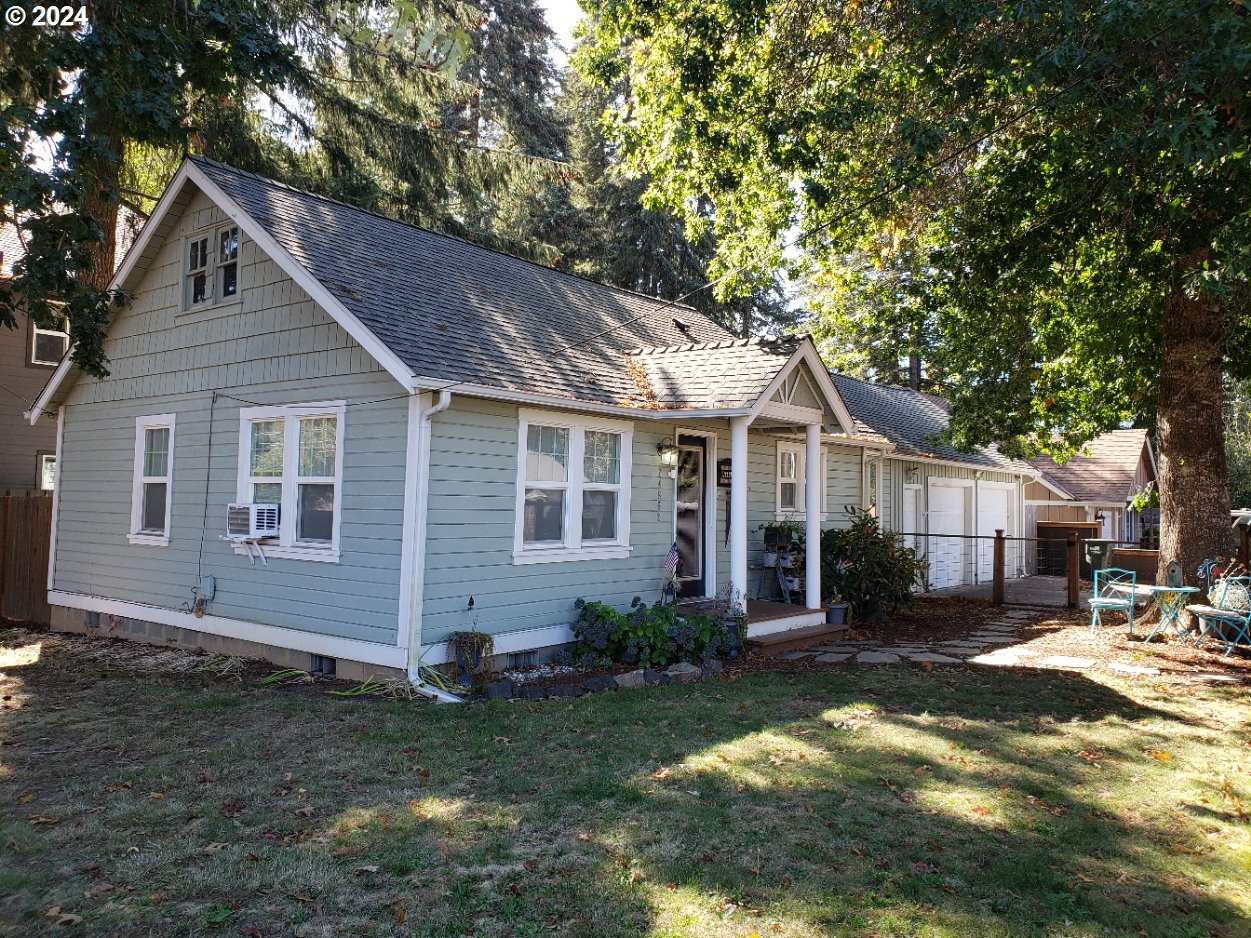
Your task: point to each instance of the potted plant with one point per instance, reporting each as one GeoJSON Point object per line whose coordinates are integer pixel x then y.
{"type": "Point", "coordinates": [472, 650]}
{"type": "Point", "coordinates": [836, 610]}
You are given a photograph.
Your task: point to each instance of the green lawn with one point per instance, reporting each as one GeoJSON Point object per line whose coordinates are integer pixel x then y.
{"type": "Point", "coordinates": [890, 801]}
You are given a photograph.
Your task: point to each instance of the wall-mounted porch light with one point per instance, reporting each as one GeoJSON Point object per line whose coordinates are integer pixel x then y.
{"type": "Point", "coordinates": [667, 450]}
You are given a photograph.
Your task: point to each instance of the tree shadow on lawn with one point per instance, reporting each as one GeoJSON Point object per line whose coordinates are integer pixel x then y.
{"type": "Point", "coordinates": [884, 801]}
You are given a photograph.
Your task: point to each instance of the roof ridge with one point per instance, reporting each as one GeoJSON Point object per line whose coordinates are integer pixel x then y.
{"type": "Point", "coordinates": [668, 304]}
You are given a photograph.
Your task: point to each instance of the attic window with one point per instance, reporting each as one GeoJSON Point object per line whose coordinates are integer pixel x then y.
{"type": "Point", "coordinates": [228, 262]}
{"type": "Point", "coordinates": [197, 271]}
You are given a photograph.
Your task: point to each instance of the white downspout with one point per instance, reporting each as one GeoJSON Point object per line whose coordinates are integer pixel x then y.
{"type": "Point", "coordinates": [418, 570]}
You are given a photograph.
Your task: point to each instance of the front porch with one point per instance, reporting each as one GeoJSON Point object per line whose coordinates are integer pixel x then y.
{"type": "Point", "coordinates": [765, 617]}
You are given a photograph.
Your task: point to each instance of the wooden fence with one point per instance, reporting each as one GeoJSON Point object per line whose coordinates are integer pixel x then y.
{"type": "Point", "coordinates": [25, 535]}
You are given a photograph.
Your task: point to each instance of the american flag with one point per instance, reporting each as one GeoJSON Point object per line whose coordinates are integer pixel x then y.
{"type": "Point", "coordinates": [671, 562]}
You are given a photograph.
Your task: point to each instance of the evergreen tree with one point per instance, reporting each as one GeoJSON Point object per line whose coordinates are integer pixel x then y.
{"type": "Point", "coordinates": [341, 98]}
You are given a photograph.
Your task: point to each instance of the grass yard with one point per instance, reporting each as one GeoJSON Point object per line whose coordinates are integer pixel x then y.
{"type": "Point", "coordinates": [888, 801]}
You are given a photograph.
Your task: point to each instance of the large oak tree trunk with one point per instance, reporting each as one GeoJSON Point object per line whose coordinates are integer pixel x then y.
{"type": "Point", "coordinates": [1193, 479]}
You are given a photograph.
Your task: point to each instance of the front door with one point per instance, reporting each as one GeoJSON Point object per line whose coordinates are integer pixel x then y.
{"type": "Point", "coordinates": [689, 514]}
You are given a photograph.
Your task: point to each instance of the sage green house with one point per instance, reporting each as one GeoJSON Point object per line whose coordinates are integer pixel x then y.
{"type": "Point", "coordinates": [325, 431]}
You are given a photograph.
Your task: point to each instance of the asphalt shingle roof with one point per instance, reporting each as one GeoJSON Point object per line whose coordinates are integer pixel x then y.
{"type": "Point", "coordinates": [912, 421]}
{"type": "Point", "coordinates": [1103, 472]}
{"type": "Point", "coordinates": [454, 311]}
{"type": "Point", "coordinates": [726, 374]}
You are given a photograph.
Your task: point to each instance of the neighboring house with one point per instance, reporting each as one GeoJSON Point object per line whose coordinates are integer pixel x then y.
{"type": "Point", "coordinates": [28, 356]}
{"type": "Point", "coordinates": [1097, 485]}
{"type": "Point", "coordinates": [433, 421]}
{"type": "Point", "coordinates": [931, 492]}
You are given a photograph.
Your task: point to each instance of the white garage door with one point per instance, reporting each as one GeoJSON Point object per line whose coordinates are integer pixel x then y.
{"type": "Point", "coordinates": [948, 515]}
{"type": "Point", "coordinates": [992, 513]}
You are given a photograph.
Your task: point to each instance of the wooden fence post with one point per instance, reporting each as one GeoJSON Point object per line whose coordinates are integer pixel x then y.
{"type": "Point", "coordinates": [1073, 567]}
{"type": "Point", "coordinates": [1244, 544]}
{"type": "Point", "coordinates": [996, 589]}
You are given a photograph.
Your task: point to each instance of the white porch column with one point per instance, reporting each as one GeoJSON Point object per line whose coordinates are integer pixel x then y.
{"type": "Point", "coordinates": [812, 517]}
{"type": "Point", "coordinates": [738, 508]}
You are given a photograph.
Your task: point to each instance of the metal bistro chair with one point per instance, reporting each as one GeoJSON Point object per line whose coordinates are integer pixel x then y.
{"type": "Point", "coordinates": [1228, 619]}
{"type": "Point", "coordinates": [1108, 598]}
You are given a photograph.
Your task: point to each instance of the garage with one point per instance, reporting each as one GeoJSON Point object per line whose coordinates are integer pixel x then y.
{"type": "Point", "coordinates": [948, 522]}
{"type": "Point", "coordinates": [994, 512]}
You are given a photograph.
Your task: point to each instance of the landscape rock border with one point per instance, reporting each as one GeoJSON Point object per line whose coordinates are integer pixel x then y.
{"type": "Point", "coordinates": [680, 673]}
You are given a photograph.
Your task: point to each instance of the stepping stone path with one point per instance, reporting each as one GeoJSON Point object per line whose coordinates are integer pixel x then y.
{"type": "Point", "coordinates": [1068, 662]}
{"type": "Point", "coordinates": [1132, 668]}
{"type": "Point", "coordinates": [998, 643]}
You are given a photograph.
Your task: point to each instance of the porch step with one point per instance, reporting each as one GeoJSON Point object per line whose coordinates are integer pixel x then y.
{"type": "Point", "coordinates": [766, 646]}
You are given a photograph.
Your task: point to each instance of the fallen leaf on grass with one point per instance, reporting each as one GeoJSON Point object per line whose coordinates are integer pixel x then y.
{"type": "Point", "coordinates": [301, 897]}
{"type": "Point", "coordinates": [660, 773]}
{"type": "Point", "coordinates": [156, 796]}
{"type": "Point", "coordinates": [306, 811]}
{"type": "Point", "coordinates": [400, 914]}
{"type": "Point", "coordinates": [368, 868]}
{"type": "Point", "coordinates": [1159, 755]}
{"type": "Point", "coordinates": [62, 918]}
{"type": "Point", "coordinates": [215, 848]}
{"type": "Point", "coordinates": [980, 810]}
{"type": "Point", "coordinates": [41, 819]}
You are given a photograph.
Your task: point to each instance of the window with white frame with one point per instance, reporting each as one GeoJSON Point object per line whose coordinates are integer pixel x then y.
{"type": "Point", "coordinates": [153, 480]}
{"type": "Point", "coordinates": [292, 456]}
{"type": "Point", "coordinates": [792, 480]}
{"type": "Point", "coordinates": [46, 471]}
{"type": "Point", "coordinates": [48, 346]}
{"type": "Point", "coordinates": [212, 274]}
{"type": "Point", "coordinates": [573, 488]}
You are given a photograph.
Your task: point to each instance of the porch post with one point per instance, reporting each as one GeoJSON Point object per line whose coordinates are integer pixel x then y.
{"type": "Point", "coordinates": [812, 517]}
{"type": "Point", "coordinates": [738, 509]}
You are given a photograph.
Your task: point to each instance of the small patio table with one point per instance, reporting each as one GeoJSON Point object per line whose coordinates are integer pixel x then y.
{"type": "Point", "coordinates": [1170, 600]}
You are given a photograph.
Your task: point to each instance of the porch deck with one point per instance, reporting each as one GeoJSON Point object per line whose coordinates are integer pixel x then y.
{"type": "Point", "coordinates": [768, 618]}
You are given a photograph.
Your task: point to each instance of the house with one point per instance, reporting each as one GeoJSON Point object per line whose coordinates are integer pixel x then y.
{"type": "Point", "coordinates": [28, 356]}
{"type": "Point", "coordinates": [1097, 486]}
{"type": "Point", "coordinates": [948, 503]}
{"type": "Point", "coordinates": [423, 422]}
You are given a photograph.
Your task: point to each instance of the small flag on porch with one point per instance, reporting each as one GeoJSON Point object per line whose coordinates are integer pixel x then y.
{"type": "Point", "coordinates": [669, 589]}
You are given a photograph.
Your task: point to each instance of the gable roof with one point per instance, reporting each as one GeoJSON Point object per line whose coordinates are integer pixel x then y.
{"type": "Point", "coordinates": [911, 421]}
{"type": "Point", "coordinates": [451, 310]}
{"type": "Point", "coordinates": [441, 312]}
{"type": "Point", "coordinates": [1104, 472]}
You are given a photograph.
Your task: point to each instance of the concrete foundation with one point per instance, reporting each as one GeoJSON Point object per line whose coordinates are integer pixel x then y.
{"type": "Point", "coordinates": [80, 622]}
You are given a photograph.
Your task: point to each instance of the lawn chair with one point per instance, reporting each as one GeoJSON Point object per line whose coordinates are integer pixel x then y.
{"type": "Point", "coordinates": [1113, 592]}
{"type": "Point", "coordinates": [1229, 616]}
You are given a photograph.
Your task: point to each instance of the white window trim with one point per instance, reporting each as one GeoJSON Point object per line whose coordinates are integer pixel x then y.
{"type": "Point", "coordinates": [40, 459]}
{"type": "Point", "coordinates": [136, 535]}
{"type": "Point", "coordinates": [212, 269]}
{"type": "Point", "coordinates": [574, 549]}
{"type": "Point", "coordinates": [36, 331]}
{"type": "Point", "coordinates": [800, 511]}
{"type": "Point", "coordinates": [287, 547]}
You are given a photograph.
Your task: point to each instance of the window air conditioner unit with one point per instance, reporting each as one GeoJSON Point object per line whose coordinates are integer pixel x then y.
{"type": "Point", "coordinates": [251, 522]}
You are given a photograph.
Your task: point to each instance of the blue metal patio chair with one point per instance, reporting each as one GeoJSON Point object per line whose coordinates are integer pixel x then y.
{"type": "Point", "coordinates": [1228, 619]}
{"type": "Point", "coordinates": [1114, 591]}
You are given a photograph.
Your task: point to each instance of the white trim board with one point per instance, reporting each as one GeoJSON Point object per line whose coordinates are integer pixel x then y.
{"type": "Point", "coordinates": [391, 656]}
{"type": "Point", "coordinates": [711, 503]}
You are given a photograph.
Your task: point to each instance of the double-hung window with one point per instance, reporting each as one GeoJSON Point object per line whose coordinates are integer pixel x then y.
{"type": "Point", "coordinates": [212, 274]}
{"type": "Point", "coordinates": [292, 456]}
{"type": "Point", "coordinates": [573, 488]}
{"type": "Point", "coordinates": [152, 493]}
{"type": "Point", "coordinates": [792, 480]}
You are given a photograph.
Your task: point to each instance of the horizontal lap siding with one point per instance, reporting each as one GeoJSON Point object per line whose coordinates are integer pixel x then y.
{"type": "Point", "coordinates": [274, 347]}
{"type": "Point", "coordinates": [470, 529]}
{"type": "Point", "coordinates": [896, 475]}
